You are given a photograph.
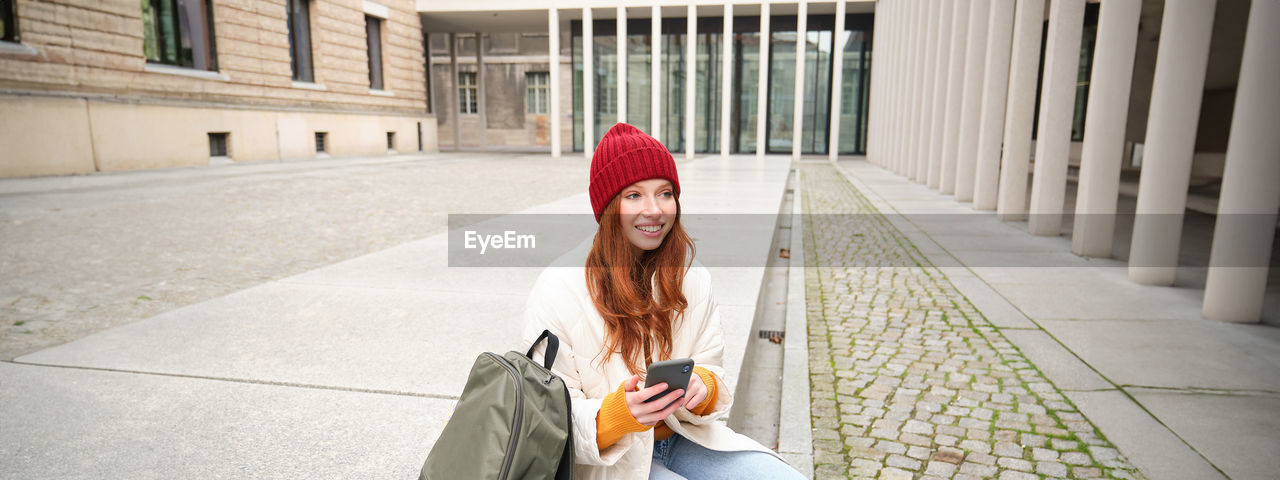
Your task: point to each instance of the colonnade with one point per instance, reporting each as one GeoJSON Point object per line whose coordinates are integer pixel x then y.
{"type": "Point", "coordinates": [690, 58]}
{"type": "Point", "coordinates": [952, 100]}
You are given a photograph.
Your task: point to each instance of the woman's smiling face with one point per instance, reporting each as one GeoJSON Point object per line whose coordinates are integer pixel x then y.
{"type": "Point", "coordinates": [648, 211]}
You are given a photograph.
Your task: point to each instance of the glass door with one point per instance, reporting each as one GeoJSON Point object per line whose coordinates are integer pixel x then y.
{"type": "Point", "coordinates": [746, 79]}
{"type": "Point", "coordinates": [816, 99]}
{"type": "Point", "coordinates": [782, 81]}
{"type": "Point", "coordinates": [853, 96]}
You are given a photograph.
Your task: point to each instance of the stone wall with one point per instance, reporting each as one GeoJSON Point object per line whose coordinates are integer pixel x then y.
{"type": "Point", "coordinates": [79, 95]}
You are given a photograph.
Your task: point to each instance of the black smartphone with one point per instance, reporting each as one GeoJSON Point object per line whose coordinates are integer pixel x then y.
{"type": "Point", "coordinates": [675, 373]}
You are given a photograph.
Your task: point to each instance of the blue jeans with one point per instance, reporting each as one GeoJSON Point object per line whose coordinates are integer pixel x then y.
{"type": "Point", "coordinates": [677, 458]}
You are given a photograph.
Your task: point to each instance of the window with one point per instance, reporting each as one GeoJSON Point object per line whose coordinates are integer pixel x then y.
{"type": "Point", "coordinates": [179, 32]}
{"type": "Point", "coordinates": [537, 92]}
{"type": "Point", "coordinates": [373, 33]}
{"type": "Point", "coordinates": [218, 144]}
{"type": "Point", "coordinates": [607, 84]}
{"type": "Point", "coordinates": [300, 39]}
{"type": "Point", "coordinates": [322, 142]}
{"type": "Point", "coordinates": [467, 92]}
{"type": "Point", "coordinates": [391, 140]}
{"type": "Point", "coordinates": [9, 20]}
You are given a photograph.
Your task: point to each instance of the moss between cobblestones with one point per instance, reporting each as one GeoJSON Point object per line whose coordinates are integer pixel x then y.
{"type": "Point", "coordinates": [918, 356]}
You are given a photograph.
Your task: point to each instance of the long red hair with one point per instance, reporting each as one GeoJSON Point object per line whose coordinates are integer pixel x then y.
{"type": "Point", "coordinates": [637, 325]}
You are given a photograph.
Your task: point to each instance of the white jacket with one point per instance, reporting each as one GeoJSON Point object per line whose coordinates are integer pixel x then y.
{"type": "Point", "coordinates": [560, 302]}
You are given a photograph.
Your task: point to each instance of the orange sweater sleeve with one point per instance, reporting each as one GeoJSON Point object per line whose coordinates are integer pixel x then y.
{"type": "Point", "coordinates": [614, 420]}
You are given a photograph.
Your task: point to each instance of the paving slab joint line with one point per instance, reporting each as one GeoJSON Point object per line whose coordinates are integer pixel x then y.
{"type": "Point", "coordinates": [860, 185]}
{"type": "Point", "coordinates": [241, 380]}
{"type": "Point", "coordinates": [1206, 391]}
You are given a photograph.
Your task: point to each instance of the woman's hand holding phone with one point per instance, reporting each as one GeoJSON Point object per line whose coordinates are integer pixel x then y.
{"type": "Point", "coordinates": [697, 392]}
{"type": "Point", "coordinates": [650, 413]}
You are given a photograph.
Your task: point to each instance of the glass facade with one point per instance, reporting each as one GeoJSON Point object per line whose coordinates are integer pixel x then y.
{"type": "Point", "coordinates": [672, 88]}
{"type": "Point", "coordinates": [639, 66]}
{"type": "Point", "coordinates": [1088, 40]}
{"type": "Point", "coordinates": [746, 80]}
{"type": "Point", "coordinates": [707, 84]}
{"type": "Point", "coordinates": [820, 41]}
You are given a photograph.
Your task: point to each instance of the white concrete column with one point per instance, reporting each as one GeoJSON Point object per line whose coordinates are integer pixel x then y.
{"type": "Point", "coordinates": [1057, 106]}
{"type": "Point", "coordinates": [691, 72]}
{"type": "Point", "coordinates": [919, 31]}
{"type": "Point", "coordinates": [995, 86]}
{"type": "Point", "coordinates": [655, 72]}
{"type": "Point", "coordinates": [955, 94]}
{"type": "Point", "coordinates": [797, 111]}
{"type": "Point", "coordinates": [910, 26]}
{"type": "Point", "coordinates": [1024, 66]}
{"type": "Point", "coordinates": [893, 94]}
{"type": "Point", "coordinates": [928, 76]}
{"type": "Point", "coordinates": [553, 66]}
{"type": "Point", "coordinates": [480, 90]}
{"type": "Point", "coordinates": [941, 65]}
{"type": "Point", "coordinates": [877, 87]}
{"type": "Point", "coordinates": [762, 93]}
{"type": "Point", "coordinates": [621, 79]}
{"type": "Point", "coordinates": [1106, 116]}
{"type": "Point", "coordinates": [837, 83]}
{"type": "Point", "coordinates": [457, 102]}
{"type": "Point", "coordinates": [588, 84]}
{"type": "Point", "coordinates": [1250, 195]}
{"type": "Point", "coordinates": [1176, 93]}
{"type": "Point", "coordinates": [902, 29]}
{"type": "Point", "coordinates": [884, 64]}
{"type": "Point", "coordinates": [971, 104]}
{"type": "Point", "coordinates": [726, 74]}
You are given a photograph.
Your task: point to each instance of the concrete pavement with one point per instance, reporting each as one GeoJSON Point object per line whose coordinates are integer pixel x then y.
{"type": "Point", "coordinates": [344, 371]}
{"type": "Point", "coordinates": [86, 253]}
{"type": "Point", "coordinates": [345, 367]}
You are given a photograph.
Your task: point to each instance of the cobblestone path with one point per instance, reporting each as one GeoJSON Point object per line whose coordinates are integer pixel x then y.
{"type": "Point", "coordinates": [908, 379]}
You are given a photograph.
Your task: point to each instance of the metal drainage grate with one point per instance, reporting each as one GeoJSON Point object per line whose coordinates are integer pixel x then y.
{"type": "Point", "coordinates": [774, 336]}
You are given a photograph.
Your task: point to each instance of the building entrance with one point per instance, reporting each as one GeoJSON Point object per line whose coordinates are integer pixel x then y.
{"type": "Point", "coordinates": [820, 41]}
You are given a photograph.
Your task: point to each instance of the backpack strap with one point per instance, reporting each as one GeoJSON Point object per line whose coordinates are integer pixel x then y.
{"type": "Point", "coordinates": [565, 470]}
{"type": "Point", "coordinates": [553, 347]}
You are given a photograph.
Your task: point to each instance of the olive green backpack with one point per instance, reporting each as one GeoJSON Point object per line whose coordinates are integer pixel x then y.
{"type": "Point", "coordinates": [513, 421]}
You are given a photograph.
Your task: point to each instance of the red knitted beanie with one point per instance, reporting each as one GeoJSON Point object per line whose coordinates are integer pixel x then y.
{"type": "Point", "coordinates": [626, 156]}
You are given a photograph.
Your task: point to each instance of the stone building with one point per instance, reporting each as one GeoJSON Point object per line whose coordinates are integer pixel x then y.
{"type": "Point", "coordinates": [516, 89]}
{"type": "Point", "coordinates": [91, 86]}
